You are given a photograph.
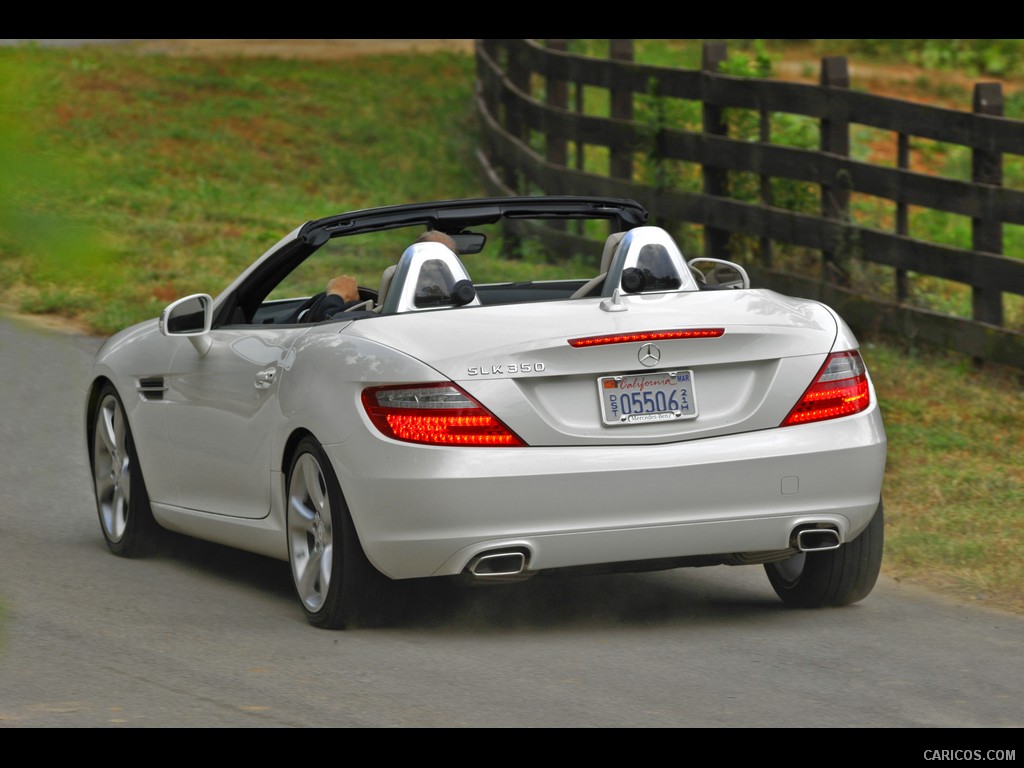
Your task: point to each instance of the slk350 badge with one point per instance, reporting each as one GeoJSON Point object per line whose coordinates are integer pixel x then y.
{"type": "Point", "coordinates": [504, 369]}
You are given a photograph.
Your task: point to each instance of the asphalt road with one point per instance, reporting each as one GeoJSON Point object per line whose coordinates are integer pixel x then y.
{"type": "Point", "coordinates": [203, 636]}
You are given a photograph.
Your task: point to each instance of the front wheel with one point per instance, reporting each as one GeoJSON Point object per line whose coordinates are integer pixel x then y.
{"type": "Point", "coordinates": [126, 518]}
{"type": "Point", "coordinates": [336, 585]}
{"type": "Point", "coordinates": [834, 577]}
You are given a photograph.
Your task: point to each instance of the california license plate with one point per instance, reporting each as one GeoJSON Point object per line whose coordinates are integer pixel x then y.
{"type": "Point", "coordinates": [647, 398]}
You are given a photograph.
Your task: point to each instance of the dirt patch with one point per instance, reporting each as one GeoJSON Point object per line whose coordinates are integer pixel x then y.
{"type": "Point", "coordinates": [56, 323]}
{"type": "Point", "coordinates": [800, 63]}
{"type": "Point", "coordinates": [301, 48]}
{"type": "Point", "coordinates": [948, 88]}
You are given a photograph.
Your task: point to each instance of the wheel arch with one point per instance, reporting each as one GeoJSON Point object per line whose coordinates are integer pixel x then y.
{"type": "Point", "coordinates": [288, 456]}
{"type": "Point", "coordinates": [92, 404]}
{"type": "Point", "coordinates": [284, 464]}
{"type": "Point", "coordinates": [291, 444]}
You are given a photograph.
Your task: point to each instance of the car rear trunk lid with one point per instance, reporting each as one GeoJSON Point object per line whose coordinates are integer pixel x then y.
{"type": "Point", "coordinates": [749, 359]}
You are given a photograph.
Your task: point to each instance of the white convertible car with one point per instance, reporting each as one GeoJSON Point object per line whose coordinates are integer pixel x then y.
{"type": "Point", "coordinates": [656, 413]}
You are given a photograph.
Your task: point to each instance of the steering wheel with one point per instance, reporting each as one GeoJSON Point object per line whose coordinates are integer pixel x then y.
{"type": "Point", "coordinates": [296, 315]}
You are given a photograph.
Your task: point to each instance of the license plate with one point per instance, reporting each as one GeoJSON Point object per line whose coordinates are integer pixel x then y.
{"type": "Point", "coordinates": [647, 398]}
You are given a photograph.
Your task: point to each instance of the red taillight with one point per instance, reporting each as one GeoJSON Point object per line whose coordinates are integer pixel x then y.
{"type": "Point", "coordinates": [643, 336]}
{"type": "Point", "coordinates": [840, 389]}
{"type": "Point", "coordinates": [435, 414]}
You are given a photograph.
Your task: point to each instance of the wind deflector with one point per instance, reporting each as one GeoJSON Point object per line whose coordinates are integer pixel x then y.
{"type": "Point", "coordinates": [454, 216]}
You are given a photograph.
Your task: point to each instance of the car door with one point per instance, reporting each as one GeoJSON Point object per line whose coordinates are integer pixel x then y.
{"type": "Point", "coordinates": [221, 414]}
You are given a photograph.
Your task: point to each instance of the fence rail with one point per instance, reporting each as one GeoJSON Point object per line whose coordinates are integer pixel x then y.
{"type": "Point", "coordinates": [537, 131]}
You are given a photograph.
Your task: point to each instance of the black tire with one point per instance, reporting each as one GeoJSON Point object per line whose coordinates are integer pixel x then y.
{"type": "Point", "coordinates": [336, 585]}
{"type": "Point", "coordinates": [835, 577]}
{"type": "Point", "coordinates": [126, 518]}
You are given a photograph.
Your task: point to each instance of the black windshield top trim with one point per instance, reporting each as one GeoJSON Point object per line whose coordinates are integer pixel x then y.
{"type": "Point", "coordinates": [453, 216]}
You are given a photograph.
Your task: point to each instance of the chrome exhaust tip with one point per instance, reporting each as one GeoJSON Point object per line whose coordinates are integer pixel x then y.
{"type": "Point", "coordinates": [817, 539]}
{"type": "Point", "coordinates": [506, 565]}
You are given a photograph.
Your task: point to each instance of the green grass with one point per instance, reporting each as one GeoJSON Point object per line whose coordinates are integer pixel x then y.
{"type": "Point", "coordinates": [954, 482]}
{"type": "Point", "coordinates": [131, 180]}
{"type": "Point", "coordinates": [148, 152]}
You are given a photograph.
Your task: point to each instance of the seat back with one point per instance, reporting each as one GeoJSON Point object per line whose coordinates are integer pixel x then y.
{"type": "Point", "coordinates": [593, 286]}
{"type": "Point", "coordinates": [386, 277]}
{"type": "Point", "coordinates": [609, 250]}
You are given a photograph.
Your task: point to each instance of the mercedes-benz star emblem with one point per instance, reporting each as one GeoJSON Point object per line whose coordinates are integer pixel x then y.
{"type": "Point", "coordinates": [649, 355]}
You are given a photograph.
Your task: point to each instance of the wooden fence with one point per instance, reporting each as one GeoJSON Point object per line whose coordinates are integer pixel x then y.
{"type": "Point", "coordinates": [538, 136]}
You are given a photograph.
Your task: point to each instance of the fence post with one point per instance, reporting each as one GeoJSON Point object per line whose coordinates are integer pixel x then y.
{"type": "Point", "coordinates": [767, 196]}
{"type": "Point", "coordinates": [902, 216]}
{"type": "Point", "coordinates": [716, 180]}
{"type": "Point", "coordinates": [987, 232]}
{"type": "Point", "coordinates": [835, 195]}
{"type": "Point", "coordinates": [557, 95]}
{"type": "Point", "coordinates": [580, 106]}
{"type": "Point", "coordinates": [621, 161]}
{"type": "Point", "coordinates": [519, 76]}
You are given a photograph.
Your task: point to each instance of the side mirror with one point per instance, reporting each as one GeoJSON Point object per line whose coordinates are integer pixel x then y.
{"type": "Point", "coordinates": [721, 275]}
{"type": "Point", "coordinates": [190, 317]}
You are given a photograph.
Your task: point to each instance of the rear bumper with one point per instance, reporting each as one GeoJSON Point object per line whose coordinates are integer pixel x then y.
{"type": "Point", "coordinates": [425, 511]}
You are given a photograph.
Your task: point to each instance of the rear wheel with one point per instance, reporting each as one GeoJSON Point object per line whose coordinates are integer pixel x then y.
{"type": "Point", "coordinates": [834, 577]}
{"type": "Point", "coordinates": [121, 499]}
{"type": "Point", "coordinates": [337, 586]}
